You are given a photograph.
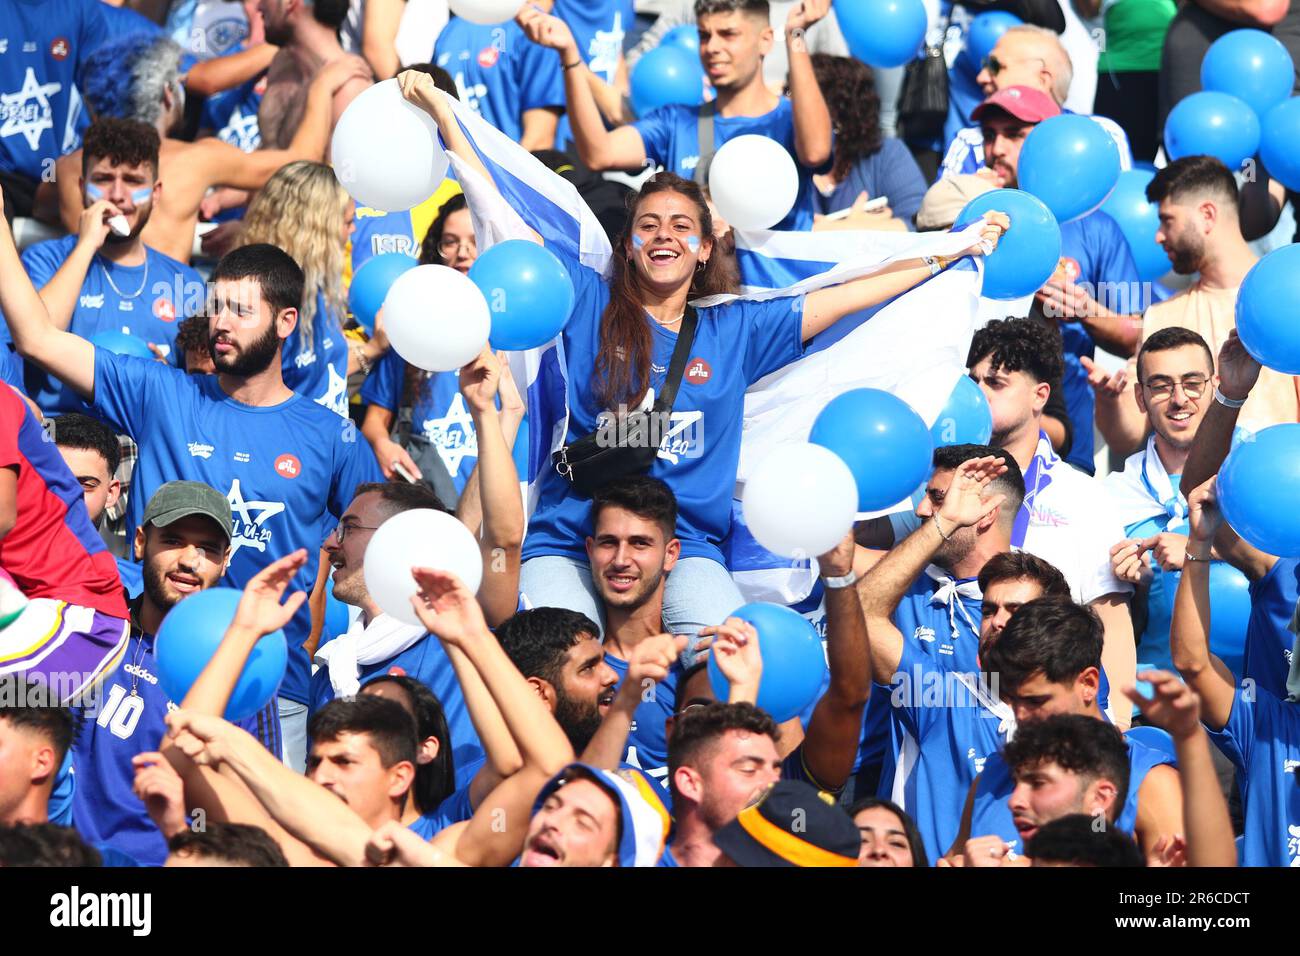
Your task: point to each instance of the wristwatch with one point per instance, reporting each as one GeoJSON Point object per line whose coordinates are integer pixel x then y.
{"type": "Point", "coordinates": [846, 581]}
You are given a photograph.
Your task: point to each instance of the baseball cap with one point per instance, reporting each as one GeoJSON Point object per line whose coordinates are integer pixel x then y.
{"type": "Point", "coordinates": [180, 499]}
{"type": "Point", "coordinates": [793, 824]}
{"type": "Point", "coordinates": [645, 820]}
{"type": "Point", "coordinates": [1023, 102]}
{"type": "Point", "coordinates": [945, 200]}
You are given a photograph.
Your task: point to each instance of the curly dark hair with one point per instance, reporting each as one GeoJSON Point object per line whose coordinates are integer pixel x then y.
{"type": "Point", "coordinates": [192, 335]}
{"type": "Point", "coordinates": [123, 142]}
{"type": "Point", "coordinates": [1091, 748]}
{"type": "Point", "coordinates": [696, 731]}
{"type": "Point", "coordinates": [1020, 345]}
{"type": "Point", "coordinates": [238, 844]}
{"type": "Point", "coordinates": [45, 844]}
{"type": "Point", "coordinates": [849, 87]}
{"type": "Point", "coordinates": [1076, 841]}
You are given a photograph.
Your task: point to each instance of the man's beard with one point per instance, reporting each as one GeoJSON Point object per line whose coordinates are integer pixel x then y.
{"type": "Point", "coordinates": [155, 588]}
{"type": "Point", "coordinates": [579, 721]}
{"type": "Point", "coordinates": [635, 599]}
{"type": "Point", "coordinates": [278, 34]}
{"type": "Point", "coordinates": [1186, 251]}
{"type": "Point", "coordinates": [250, 361]}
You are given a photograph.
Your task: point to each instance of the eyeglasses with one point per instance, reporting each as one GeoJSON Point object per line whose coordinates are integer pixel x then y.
{"type": "Point", "coordinates": [1162, 389]}
{"type": "Point", "coordinates": [450, 244]}
{"type": "Point", "coordinates": [344, 527]}
{"type": "Point", "coordinates": [996, 66]}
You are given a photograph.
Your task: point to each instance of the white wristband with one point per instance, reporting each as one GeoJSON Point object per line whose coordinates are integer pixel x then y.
{"type": "Point", "coordinates": [1227, 402]}
{"type": "Point", "coordinates": [847, 580]}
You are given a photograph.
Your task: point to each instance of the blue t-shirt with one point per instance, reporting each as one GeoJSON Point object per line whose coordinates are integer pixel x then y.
{"type": "Point", "coordinates": [735, 345]}
{"type": "Point", "coordinates": [438, 412]}
{"type": "Point", "coordinates": [1100, 260]}
{"type": "Point", "coordinates": [11, 366]}
{"type": "Point", "coordinates": [1269, 641]}
{"type": "Point", "coordinates": [456, 808]}
{"type": "Point", "coordinates": [890, 172]}
{"type": "Point", "coordinates": [1262, 739]}
{"type": "Point", "coordinates": [671, 135]}
{"type": "Point", "coordinates": [499, 72]}
{"type": "Point", "coordinates": [942, 727]}
{"type": "Point", "coordinates": [232, 114]}
{"type": "Point", "coordinates": [318, 369]}
{"type": "Point", "coordinates": [148, 302]}
{"type": "Point", "coordinates": [378, 232]}
{"type": "Point", "coordinates": [427, 662]}
{"type": "Point", "coordinates": [45, 43]}
{"type": "Point", "coordinates": [599, 27]}
{"type": "Point", "coordinates": [1153, 642]}
{"type": "Point", "coordinates": [647, 742]}
{"type": "Point", "coordinates": [105, 808]}
{"type": "Point", "coordinates": [123, 21]}
{"type": "Point", "coordinates": [991, 816]}
{"type": "Point", "coordinates": [288, 470]}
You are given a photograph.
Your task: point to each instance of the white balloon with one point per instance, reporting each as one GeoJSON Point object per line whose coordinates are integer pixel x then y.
{"type": "Point", "coordinates": [385, 150]}
{"type": "Point", "coordinates": [436, 318]}
{"type": "Point", "coordinates": [753, 182]}
{"type": "Point", "coordinates": [486, 11]}
{"type": "Point", "coordinates": [800, 501]}
{"type": "Point", "coordinates": [421, 538]}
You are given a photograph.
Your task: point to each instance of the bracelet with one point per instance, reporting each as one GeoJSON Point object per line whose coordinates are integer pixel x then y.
{"type": "Point", "coordinates": [570, 66]}
{"type": "Point", "coordinates": [1227, 402]}
{"type": "Point", "coordinates": [363, 360]}
{"type": "Point", "coordinates": [1191, 557]}
{"type": "Point", "coordinates": [938, 527]}
{"type": "Point", "coordinates": [847, 580]}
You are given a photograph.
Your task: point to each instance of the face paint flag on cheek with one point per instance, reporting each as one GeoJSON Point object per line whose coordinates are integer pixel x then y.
{"type": "Point", "coordinates": [693, 243]}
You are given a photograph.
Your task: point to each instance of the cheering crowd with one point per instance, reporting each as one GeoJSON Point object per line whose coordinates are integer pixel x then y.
{"type": "Point", "coordinates": [1058, 653]}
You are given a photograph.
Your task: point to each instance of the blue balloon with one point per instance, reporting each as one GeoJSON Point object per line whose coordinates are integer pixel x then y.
{"type": "Point", "coordinates": [1278, 143]}
{"type": "Point", "coordinates": [336, 616]}
{"type": "Point", "coordinates": [1266, 305]}
{"type": "Point", "coordinates": [188, 637]}
{"type": "Point", "coordinates": [882, 33]}
{"type": "Point", "coordinates": [665, 76]}
{"type": "Point", "coordinates": [1251, 65]}
{"type": "Point", "coordinates": [528, 291]}
{"type": "Point", "coordinates": [1257, 488]}
{"type": "Point", "coordinates": [1229, 615]}
{"type": "Point", "coordinates": [686, 36]}
{"type": "Point", "coordinates": [794, 663]}
{"type": "Point", "coordinates": [370, 285]}
{"type": "Point", "coordinates": [966, 419]}
{"type": "Point", "coordinates": [984, 32]}
{"type": "Point", "coordinates": [1027, 255]}
{"type": "Point", "coordinates": [882, 439]}
{"type": "Point", "coordinates": [1212, 124]}
{"type": "Point", "coordinates": [1070, 163]}
{"type": "Point", "coordinates": [1138, 218]}
{"type": "Point", "coordinates": [120, 343]}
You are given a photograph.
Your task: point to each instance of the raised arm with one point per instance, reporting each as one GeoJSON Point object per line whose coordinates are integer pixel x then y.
{"type": "Point", "coordinates": [812, 118]}
{"type": "Point", "coordinates": [470, 508]}
{"type": "Point", "coordinates": [502, 537]}
{"type": "Point", "coordinates": [650, 662]}
{"type": "Point", "coordinates": [825, 307]}
{"type": "Point", "coordinates": [600, 149]}
{"type": "Point", "coordinates": [224, 72]}
{"type": "Point", "coordinates": [1237, 375]}
{"type": "Point", "coordinates": [61, 292]}
{"type": "Point", "coordinates": [830, 743]}
{"type": "Point", "coordinates": [379, 36]}
{"type": "Point", "coordinates": [1190, 628]}
{"type": "Point", "coordinates": [67, 357]}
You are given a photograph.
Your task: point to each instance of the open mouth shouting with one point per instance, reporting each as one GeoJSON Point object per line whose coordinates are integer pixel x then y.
{"type": "Point", "coordinates": [541, 850]}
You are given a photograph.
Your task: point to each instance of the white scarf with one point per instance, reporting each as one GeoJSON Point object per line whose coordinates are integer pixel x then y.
{"type": "Point", "coordinates": [384, 637]}
{"type": "Point", "coordinates": [946, 596]}
{"type": "Point", "coordinates": [1144, 490]}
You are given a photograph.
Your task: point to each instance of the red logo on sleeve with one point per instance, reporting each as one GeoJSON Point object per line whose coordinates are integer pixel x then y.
{"type": "Point", "coordinates": [287, 466]}
{"type": "Point", "coordinates": [488, 56]}
{"type": "Point", "coordinates": [698, 371]}
{"type": "Point", "coordinates": [164, 310]}
{"type": "Point", "coordinates": [59, 48]}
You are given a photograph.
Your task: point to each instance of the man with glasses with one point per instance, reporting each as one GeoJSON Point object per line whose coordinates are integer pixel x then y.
{"type": "Point", "coordinates": [1033, 57]}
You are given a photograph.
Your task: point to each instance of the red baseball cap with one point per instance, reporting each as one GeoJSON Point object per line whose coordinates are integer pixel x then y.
{"type": "Point", "coordinates": [1023, 102]}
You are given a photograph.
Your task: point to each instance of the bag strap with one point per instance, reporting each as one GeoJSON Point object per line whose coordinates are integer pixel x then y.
{"type": "Point", "coordinates": [708, 142]}
{"type": "Point", "coordinates": [677, 367]}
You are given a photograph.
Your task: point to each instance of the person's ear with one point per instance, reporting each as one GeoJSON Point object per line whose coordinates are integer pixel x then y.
{"type": "Point", "coordinates": [591, 549]}
{"type": "Point", "coordinates": [44, 764]}
{"type": "Point", "coordinates": [690, 785]}
{"type": "Point", "coordinates": [428, 752]}
{"type": "Point", "coordinates": [114, 493]}
{"type": "Point", "coordinates": [401, 776]}
{"type": "Point", "coordinates": [544, 690]}
{"type": "Point", "coordinates": [1104, 794]}
{"type": "Point", "coordinates": [139, 543]}
{"type": "Point", "coordinates": [1042, 392]}
{"type": "Point", "coordinates": [1140, 395]}
{"type": "Point", "coordinates": [1209, 215]}
{"type": "Point", "coordinates": [1088, 683]}
{"type": "Point", "coordinates": [671, 553]}
{"type": "Point", "coordinates": [225, 561]}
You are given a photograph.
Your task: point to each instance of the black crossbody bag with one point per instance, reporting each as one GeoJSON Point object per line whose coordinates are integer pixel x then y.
{"type": "Point", "coordinates": [629, 447]}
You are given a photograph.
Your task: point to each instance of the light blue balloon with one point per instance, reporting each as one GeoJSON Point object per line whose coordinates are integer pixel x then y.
{"type": "Point", "coordinates": [1070, 163]}
{"type": "Point", "coordinates": [1212, 124]}
{"type": "Point", "coordinates": [528, 292]}
{"type": "Point", "coordinates": [984, 32]}
{"type": "Point", "coordinates": [966, 419]}
{"type": "Point", "coordinates": [370, 285]}
{"type": "Point", "coordinates": [882, 33]}
{"type": "Point", "coordinates": [120, 343]}
{"type": "Point", "coordinates": [666, 76]}
{"type": "Point", "coordinates": [1027, 255]}
{"type": "Point", "coordinates": [1279, 144]}
{"type": "Point", "coordinates": [1251, 65]}
{"type": "Point", "coordinates": [1138, 218]}
{"type": "Point", "coordinates": [882, 439]}
{"type": "Point", "coordinates": [686, 36]}
{"type": "Point", "coordinates": [1266, 304]}
{"type": "Point", "coordinates": [794, 663]}
{"type": "Point", "coordinates": [1259, 490]}
{"type": "Point", "coordinates": [188, 637]}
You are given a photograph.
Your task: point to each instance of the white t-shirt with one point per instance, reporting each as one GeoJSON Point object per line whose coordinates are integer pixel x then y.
{"type": "Point", "coordinates": [1072, 524]}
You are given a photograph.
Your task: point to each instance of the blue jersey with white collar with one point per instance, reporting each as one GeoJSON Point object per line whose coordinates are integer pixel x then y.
{"type": "Point", "coordinates": [1262, 739]}
{"type": "Point", "coordinates": [318, 369]}
{"type": "Point", "coordinates": [43, 44]}
{"type": "Point", "coordinates": [499, 72]}
{"type": "Point", "coordinates": [991, 816]}
{"type": "Point", "coordinates": [289, 470]}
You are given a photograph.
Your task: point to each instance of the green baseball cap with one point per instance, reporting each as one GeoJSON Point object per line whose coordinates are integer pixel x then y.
{"type": "Point", "coordinates": [180, 499]}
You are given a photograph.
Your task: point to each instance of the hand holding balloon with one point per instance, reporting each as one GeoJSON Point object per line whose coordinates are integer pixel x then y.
{"type": "Point", "coordinates": [448, 608]}
{"type": "Point", "coordinates": [737, 657]}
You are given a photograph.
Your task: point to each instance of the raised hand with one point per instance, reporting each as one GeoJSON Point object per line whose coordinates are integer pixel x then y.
{"type": "Point", "coordinates": [1108, 386]}
{"type": "Point", "coordinates": [838, 561]}
{"type": "Point", "coordinates": [805, 14]}
{"type": "Point", "coordinates": [447, 608]}
{"type": "Point", "coordinates": [1127, 562]}
{"type": "Point", "coordinates": [735, 648]}
{"type": "Point", "coordinates": [1203, 514]}
{"type": "Point", "coordinates": [964, 503]}
{"type": "Point", "coordinates": [1169, 851]}
{"type": "Point", "coordinates": [162, 792]}
{"type": "Point", "coordinates": [92, 227]}
{"type": "Point", "coordinates": [394, 844]}
{"type": "Point", "coordinates": [260, 610]}
{"type": "Point", "coordinates": [1173, 706]}
{"type": "Point", "coordinates": [1238, 371]}
{"type": "Point", "coordinates": [995, 226]}
{"type": "Point", "coordinates": [418, 88]}
{"type": "Point", "coordinates": [204, 738]}
{"type": "Point", "coordinates": [1168, 549]}
{"type": "Point", "coordinates": [654, 657]}
{"type": "Point", "coordinates": [480, 381]}
{"type": "Point", "coordinates": [508, 389]}
{"type": "Point", "coordinates": [548, 31]}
